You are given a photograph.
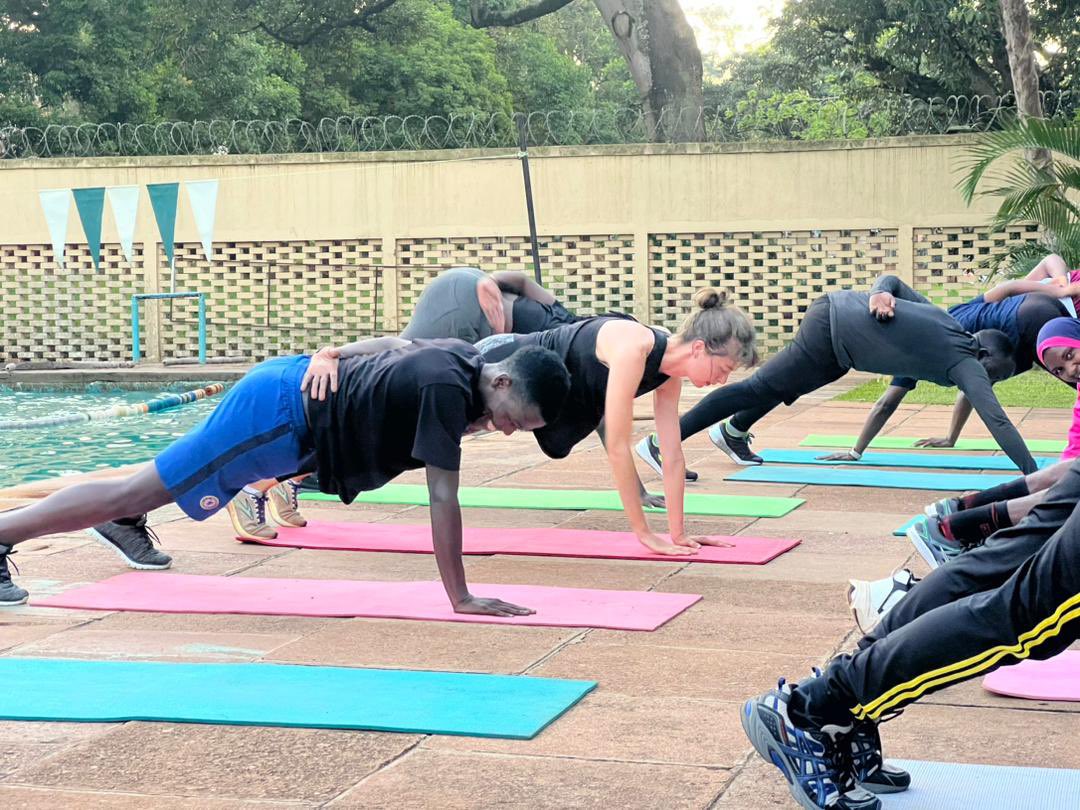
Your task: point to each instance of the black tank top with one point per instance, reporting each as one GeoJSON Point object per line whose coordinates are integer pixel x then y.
{"type": "Point", "coordinates": [575, 343]}
{"type": "Point", "coordinates": [532, 316]}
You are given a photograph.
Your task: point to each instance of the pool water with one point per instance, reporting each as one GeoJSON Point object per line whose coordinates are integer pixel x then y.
{"type": "Point", "coordinates": [48, 452]}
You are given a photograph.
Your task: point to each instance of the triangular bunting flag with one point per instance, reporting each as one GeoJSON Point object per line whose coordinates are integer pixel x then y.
{"type": "Point", "coordinates": [202, 194]}
{"type": "Point", "coordinates": [163, 199]}
{"type": "Point", "coordinates": [56, 204]}
{"type": "Point", "coordinates": [91, 205]}
{"type": "Point", "coordinates": [124, 201]}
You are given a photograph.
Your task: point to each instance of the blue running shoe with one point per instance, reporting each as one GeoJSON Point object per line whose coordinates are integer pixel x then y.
{"type": "Point", "coordinates": [817, 765]}
{"type": "Point", "coordinates": [932, 544]}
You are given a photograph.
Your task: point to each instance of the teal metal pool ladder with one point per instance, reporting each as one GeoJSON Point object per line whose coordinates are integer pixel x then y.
{"type": "Point", "coordinates": [136, 352]}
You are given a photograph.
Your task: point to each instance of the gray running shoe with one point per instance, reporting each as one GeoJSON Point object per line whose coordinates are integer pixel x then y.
{"type": "Point", "coordinates": [248, 515]}
{"type": "Point", "coordinates": [943, 508]}
{"type": "Point", "coordinates": [285, 506]}
{"type": "Point", "coordinates": [133, 542]}
{"type": "Point", "coordinates": [737, 448]}
{"type": "Point", "coordinates": [932, 545]}
{"type": "Point", "coordinates": [649, 452]}
{"type": "Point", "coordinates": [10, 593]}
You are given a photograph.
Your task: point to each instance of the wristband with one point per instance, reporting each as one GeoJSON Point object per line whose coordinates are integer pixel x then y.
{"type": "Point", "coordinates": [855, 453]}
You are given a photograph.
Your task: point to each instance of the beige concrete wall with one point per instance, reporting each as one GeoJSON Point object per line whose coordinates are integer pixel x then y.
{"type": "Point", "coordinates": [804, 217]}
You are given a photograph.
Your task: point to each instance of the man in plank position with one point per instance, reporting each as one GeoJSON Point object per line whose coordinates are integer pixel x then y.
{"type": "Point", "coordinates": [399, 405]}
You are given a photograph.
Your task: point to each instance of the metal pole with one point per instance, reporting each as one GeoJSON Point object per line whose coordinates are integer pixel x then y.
{"type": "Point", "coordinates": [202, 328]}
{"type": "Point", "coordinates": [136, 349]}
{"type": "Point", "coordinates": [523, 149]}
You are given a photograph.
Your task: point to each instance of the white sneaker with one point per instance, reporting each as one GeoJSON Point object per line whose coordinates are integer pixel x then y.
{"type": "Point", "coordinates": [870, 601]}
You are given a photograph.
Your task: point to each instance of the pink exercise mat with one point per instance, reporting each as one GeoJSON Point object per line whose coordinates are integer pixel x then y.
{"type": "Point", "coordinates": [529, 542]}
{"type": "Point", "coordinates": [555, 607]}
{"type": "Point", "coordinates": [1057, 678]}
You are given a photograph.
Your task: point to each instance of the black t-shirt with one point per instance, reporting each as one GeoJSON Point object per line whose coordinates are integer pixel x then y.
{"type": "Point", "coordinates": [575, 343]}
{"type": "Point", "coordinates": [394, 411]}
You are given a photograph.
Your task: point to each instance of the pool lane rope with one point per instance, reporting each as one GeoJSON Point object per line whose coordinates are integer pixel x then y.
{"type": "Point", "coordinates": [160, 403]}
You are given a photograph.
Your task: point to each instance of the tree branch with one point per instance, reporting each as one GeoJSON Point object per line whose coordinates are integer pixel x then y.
{"type": "Point", "coordinates": [484, 17]}
{"type": "Point", "coordinates": [361, 20]}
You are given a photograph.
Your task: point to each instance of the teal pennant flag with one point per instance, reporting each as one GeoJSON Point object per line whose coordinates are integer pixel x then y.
{"type": "Point", "coordinates": [163, 198]}
{"type": "Point", "coordinates": [90, 203]}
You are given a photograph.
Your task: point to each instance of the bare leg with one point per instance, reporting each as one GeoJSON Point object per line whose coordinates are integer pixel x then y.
{"type": "Point", "coordinates": [84, 505]}
{"type": "Point", "coordinates": [1019, 507]}
{"type": "Point", "coordinates": [1048, 476]}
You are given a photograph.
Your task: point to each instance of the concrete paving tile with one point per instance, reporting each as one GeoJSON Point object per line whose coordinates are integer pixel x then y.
{"type": "Point", "coordinates": [220, 762]}
{"type": "Point", "coordinates": [92, 562]}
{"type": "Point", "coordinates": [821, 567]}
{"type": "Point", "coordinates": [948, 734]}
{"type": "Point", "coordinates": [453, 780]}
{"type": "Point", "coordinates": [368, 565]}
{"type": "Point", "coordinates": [711, 626]}
{"type": "Point", "coordinates": [14, 634]}
{"type": "Point", "coordinates": [31, 798]}
{"type": "Point", "coordinates": [23, 744]}
{"type": "Point", "coordinates": [834, 542]}
{"type": "Point", "coordinates": [864, 499]}
{"type": "Point", "coordinates": [293, 626]}
{"type": "Point", "coordinates": [755, 595]}
{"type": "Point", "coordinates": [671, 730]}
{"type": "Point", "coordinates": [616, 575]}
{"type": "Point", "coordinates": [122, 645]}
{"type": "Point", "coordinates": [643, 670]}
{"type": "Point", "coordinates": [425, 645]}
{"type": "Point", "coordinates": [805, 519]}
{"type": "Point", "coordinates": [757, 786]}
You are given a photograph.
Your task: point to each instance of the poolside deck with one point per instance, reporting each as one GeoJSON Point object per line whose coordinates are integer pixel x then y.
{"type": "Point", "coordinates": [662, 729]}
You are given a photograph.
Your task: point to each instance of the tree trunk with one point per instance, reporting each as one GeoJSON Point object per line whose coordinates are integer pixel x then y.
{"type": "Point", "coordinates": [1025, 73]}
{"type": "Point", "coordinates": [665, 63]}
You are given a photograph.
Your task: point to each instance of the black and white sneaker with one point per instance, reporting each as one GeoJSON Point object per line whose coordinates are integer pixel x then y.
{"type": "Point", "coordinates": [872, 772]}
{"type": "Point", "coordinates": [649, 452]}
{"type": "Point", "coordinates": [133, 541]}
{"type": "Point", "coordinates": [10, 593]}
{"type": "Point", "coordinates": [737, 448]}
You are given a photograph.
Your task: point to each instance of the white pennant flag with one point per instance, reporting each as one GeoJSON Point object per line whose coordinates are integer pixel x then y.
{"type": "Point", "coordinates": [202, 194]}
{"type": "Point", "coordinates": [124, 201]}
{"type": "Point", "coordinates": [56, 203]}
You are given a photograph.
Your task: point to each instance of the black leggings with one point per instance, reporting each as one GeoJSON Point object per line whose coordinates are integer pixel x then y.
{"type": "Point", "coordinates": [806, 364]}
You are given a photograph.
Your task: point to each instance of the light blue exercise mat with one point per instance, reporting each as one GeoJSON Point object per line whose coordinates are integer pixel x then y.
{"type": "Point", "coordinates": [515, 707]}
{"type": "Point", "coordinates": [902, 531]}
{"type": "Point", "coordinates": [926, 461]}
{"type": "Point", "coordinates": [945, 786]}
{"type": "Point", "coordinates": [887, 479]}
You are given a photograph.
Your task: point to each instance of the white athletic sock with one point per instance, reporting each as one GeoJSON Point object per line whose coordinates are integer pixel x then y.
{"type": "Point", "coordinates": [733, 431]}
{"type": "Point", "coordinates": [254, 493]}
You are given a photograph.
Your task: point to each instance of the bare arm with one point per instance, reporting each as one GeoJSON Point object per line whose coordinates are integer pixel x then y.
{"type": "Point", "coordinates": [446, 535]}
{"type": "Point", "coordinates": [884, 408]}
{"type": "Point", "coordinates": [623, 346]}
{"type": "Point", "coordinates": [647, 498]}
{"type": "Point", "coordinates": [1025, 286]}
{"type": "Point", "coordinates": [884, 293]}
{"type": "Point", "coordinates": [322, 371]}
{"type": "Point", "coordinates": [517, 283]}
{"type": "Point", "coordinates": [970, 377]}
{"type": "Point", "coordinates": [961, 413]}
{"type": "Point", "coordinates": [1051, 266]}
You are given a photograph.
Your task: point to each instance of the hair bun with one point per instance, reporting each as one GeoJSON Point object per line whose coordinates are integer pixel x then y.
{"type": "Point", "coordinates": [710, 298]}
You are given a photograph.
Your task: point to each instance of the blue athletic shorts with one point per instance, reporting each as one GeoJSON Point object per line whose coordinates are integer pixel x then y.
{"type": "Point", "coordinates": [258, 431]}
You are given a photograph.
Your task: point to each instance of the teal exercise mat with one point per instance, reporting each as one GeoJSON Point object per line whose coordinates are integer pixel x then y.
{"type": "Point", "coordinates": [574, 499]}
{"type": "Point", "coordinates": [948, 786]}
{"type": "Point", "coordinates": [514, 707]}
{"type": "Point", "coordinates": [925, 461]}
{"type": "Point", "coordinates": [887, 479]}
{"type": "Point", "coordinates": [908, 442]}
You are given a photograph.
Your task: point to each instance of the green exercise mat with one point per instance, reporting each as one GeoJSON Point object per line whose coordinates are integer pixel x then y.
{"type": "Point", "coordinates": [573, 499]}
{"type": "Point", "coordinates": [899, 442]}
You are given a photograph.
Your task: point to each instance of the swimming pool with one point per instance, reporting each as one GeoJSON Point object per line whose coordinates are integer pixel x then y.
{"type": "Point", "coordinates": [47, 452]}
